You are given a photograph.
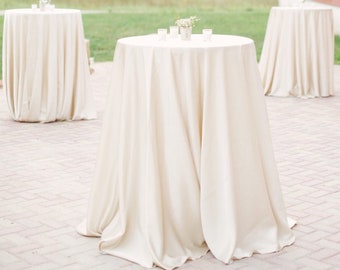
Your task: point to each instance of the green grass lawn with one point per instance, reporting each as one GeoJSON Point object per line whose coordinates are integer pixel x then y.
{"type": "Point", "coordinates": [246, 18]}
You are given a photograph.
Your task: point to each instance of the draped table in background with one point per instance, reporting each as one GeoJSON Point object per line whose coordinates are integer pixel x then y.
{"type": "Point", "coordinates": [45, 66]}
{"type": "Point", "coordinates": [185, 162]}
{"type": "Point", "coordinates": [298, 52]}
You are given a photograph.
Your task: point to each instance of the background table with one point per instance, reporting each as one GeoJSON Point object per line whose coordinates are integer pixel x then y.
{"type": "Point", "coordinates": [45, 67]}
{"type": "Point", "coordinates": [298, 52]}
{"type": "Point", "coordinates": [185, 162]}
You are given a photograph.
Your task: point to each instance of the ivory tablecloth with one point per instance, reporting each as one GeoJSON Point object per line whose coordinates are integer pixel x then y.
{"type": "Point", "coordinates": [45, 67]}
{"type": "Point", "coordinates": [185, 162]}
{"type": "Point", "coordinates": [298, 52]}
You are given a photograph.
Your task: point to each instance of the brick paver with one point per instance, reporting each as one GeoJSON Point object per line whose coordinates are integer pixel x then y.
{"type": "Point", "coordinates": [46, 172]}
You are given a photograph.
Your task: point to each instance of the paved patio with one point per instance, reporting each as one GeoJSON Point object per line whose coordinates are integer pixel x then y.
{"type": "Point", "coordinates": [46, 172]}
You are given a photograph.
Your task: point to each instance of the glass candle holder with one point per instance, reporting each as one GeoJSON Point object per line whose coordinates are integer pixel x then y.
{"type": "Point", "coordinates": [162, 32]}
{"type": "Point", "coordinates": [207, 33]}
{"type": "Point", "coordinates": [173, 31]}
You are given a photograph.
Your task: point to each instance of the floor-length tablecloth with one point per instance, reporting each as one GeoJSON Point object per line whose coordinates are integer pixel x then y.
{"type": "Point", "coordinates": [298, 52]}
{"type": "Point", "coordinates": [185, 162]}
{"type": "Point", "coordinates": [45, 67]}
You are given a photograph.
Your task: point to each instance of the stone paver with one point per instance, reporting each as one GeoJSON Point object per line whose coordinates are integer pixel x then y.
{"type": "Point", "coordinates": [46, 172]}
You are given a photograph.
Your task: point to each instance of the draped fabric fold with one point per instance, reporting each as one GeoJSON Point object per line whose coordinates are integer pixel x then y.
{"type": "Point", "coordinates": [185, 162]}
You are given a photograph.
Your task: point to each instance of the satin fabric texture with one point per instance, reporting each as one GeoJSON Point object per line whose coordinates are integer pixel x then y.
{"type": "Point", "coordinates": [45, 67]}
{"type": "Point", "coordinates": [298, 52]}
{"type": "Point", "coordinates": [185, 163]}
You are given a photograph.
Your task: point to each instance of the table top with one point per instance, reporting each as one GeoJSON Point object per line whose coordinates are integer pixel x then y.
{"type": "Point", "coordinates": [302, 8]}
{"type": "Point", "coordinates": [29, 11]}
{"type": "Point", "coordinates": [196, 41]}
